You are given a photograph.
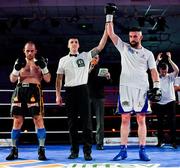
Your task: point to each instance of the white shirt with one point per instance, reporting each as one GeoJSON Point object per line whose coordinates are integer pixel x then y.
{"type": "Point", "coordinates": [177, 83]}
{"type": "Point", "coordinates": [167, 88]}
{"type": "Point", "coordinates": [135, 63]}
{"type": "Point", "coordinates": [75, 69]}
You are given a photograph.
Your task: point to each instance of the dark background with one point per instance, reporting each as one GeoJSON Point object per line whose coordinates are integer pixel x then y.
{"type": "Point", "coordinates": [50, 23]}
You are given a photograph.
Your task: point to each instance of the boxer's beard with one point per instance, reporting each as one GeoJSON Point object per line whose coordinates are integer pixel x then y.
{"type": "Point", "coordinates": [134, 44]}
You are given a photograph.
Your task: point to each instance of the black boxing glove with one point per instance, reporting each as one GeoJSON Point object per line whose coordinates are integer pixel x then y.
{"type": "Point", "coordinates": [20, 63]}
{"type": "Point", "coordinates": [110, 10]}
{"type": "Point", "coordinates": [42, 63]}
{"type": "Point", "coordinates": [155, 94]}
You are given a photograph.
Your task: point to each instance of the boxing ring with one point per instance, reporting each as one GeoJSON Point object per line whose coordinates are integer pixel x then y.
{"type": "Point", "coordinates": [49, 101]}
{"type": "Point", "coordinates": [57, 153]}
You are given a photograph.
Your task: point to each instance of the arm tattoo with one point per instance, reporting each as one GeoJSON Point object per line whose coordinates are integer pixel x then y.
{"type": "Point", "coordinates": [94, 52]}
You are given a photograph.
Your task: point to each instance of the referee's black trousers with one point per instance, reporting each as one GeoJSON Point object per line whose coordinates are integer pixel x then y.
{"type": "Point", "coordinates": [77, 103]}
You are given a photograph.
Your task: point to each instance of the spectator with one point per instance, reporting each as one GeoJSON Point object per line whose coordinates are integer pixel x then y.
{"type": "Point", "coordinates": [98, 78]}
{"type": "Point", "coordinates": [167, 105]}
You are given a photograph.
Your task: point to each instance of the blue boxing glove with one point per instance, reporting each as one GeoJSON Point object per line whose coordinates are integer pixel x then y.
{"type": "Point", "coordinates": [110, 9]}
{"type": "Point", "coordinates": [42, 63]}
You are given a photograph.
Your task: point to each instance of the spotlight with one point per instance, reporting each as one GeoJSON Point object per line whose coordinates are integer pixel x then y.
{"type": "Point", "coordinates": [33, 1]}
{"type": "Point", "coordinates": [74, 19]}
{"type": "Point", "coordinates": [54, 22]}
{"type": "Point", "coordinates": [13, 22]}
{"type": "Point", "coordinates": [3, 27]}
{"type": "Point", "coordinates": [151, 20]}
{"type": "Point", "coordinates": [161, 24]}
{"type": "Point", "coordinates": [141, 21]}
{"type": "Point", "coordinates": [153, 38]}
{"type": "Point", "coordinates": [85, 26]}
{"type": "Point", "coordinates": [25, 23]}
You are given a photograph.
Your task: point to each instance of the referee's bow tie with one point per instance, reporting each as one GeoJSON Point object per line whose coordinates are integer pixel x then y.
{"type": "Point", "coordinates": [73, 55]}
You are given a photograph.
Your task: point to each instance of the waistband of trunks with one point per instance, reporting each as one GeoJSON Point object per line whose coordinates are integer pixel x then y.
{"type": "Point", "coordinates": [28, 85]}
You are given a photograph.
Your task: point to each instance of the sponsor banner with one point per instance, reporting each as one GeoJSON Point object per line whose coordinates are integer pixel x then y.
{"type": "Point", "coordinates": [109, 165]}
{"type": "Point", "coordinates": [76, 165]}
{"type": "Point", "coordinates": [5, 142]}
{"type": "Point", "coordinates": [115, 141]}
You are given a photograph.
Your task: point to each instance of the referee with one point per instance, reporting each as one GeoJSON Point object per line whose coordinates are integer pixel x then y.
{"type": "Point", "coordinates": [75, 67]}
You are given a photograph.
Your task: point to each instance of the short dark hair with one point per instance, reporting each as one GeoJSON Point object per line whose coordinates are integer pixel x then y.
{"type": "Point", "coordinates": [163, 66]}
{"type": "Point", "coordinates": [73, 37]}
{"type": "Point", "coordinates": [133, 29]}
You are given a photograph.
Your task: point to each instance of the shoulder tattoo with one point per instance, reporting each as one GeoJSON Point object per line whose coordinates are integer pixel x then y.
{"type": "Point", "coordinates": [94, 52]}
